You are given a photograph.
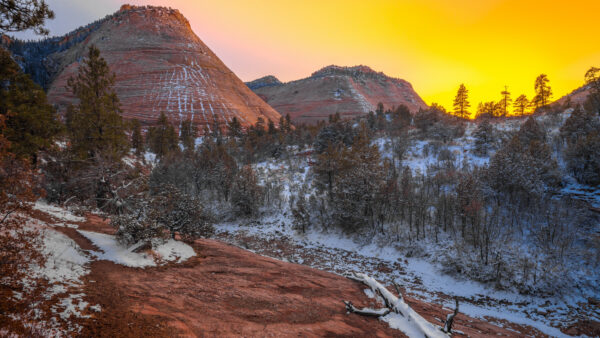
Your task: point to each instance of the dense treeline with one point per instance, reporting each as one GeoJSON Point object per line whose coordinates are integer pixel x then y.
{"type": "Point", "coordinates": [503, 221]}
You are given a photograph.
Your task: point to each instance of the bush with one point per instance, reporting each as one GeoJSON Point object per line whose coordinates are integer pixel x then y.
{"type": "Point", "coordinates": [168, 211]}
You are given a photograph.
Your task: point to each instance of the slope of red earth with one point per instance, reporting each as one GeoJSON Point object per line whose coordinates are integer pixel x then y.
{"type": "Point", "coordinates": [350, 91]}
{"type": "Point", "coordinates": [161, 66]}
{"type": "Point", "coordinates": [226, 291]}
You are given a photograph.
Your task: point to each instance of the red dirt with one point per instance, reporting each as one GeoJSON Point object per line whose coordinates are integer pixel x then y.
{"type": "Point", "coordinates": [228, 291]}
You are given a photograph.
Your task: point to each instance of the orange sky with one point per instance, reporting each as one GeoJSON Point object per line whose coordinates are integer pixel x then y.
{"type": "Point", "coordinates": [434, 44]}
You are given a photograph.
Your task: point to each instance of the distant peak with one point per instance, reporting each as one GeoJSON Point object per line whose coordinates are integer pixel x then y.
{"type": "Point", "coordinates": [339, 70]}
{"type": "Point", "coordinates": [360, 71]}
{"type": "Point", "coordinates": [265, 81]}
{"type": "Point", "coordinates": [156, 11]}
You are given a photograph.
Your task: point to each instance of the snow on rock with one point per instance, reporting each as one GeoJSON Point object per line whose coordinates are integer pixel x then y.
{"type": "Point", "coordinates": [113, 251]}
{"type": "Point", "coordinates": [73, 305]}
{"type": "Point", "coordinates": [403, 318]}
{"type": "Point", "coordinates": [60, 213]}
{"type": "Point", "coordinates": [173, 250]}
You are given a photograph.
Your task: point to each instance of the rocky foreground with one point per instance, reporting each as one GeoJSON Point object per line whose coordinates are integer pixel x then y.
{"type": "Point", "coordinates": [228, 291]}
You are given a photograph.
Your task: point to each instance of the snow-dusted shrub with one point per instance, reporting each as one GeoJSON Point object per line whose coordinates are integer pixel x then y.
{"type": "Point", "coordinates": [167, 211]}
{"type": "Point", "coordinates": [484, 138]}
{"type": "Point", "coordinates": [136, 228]}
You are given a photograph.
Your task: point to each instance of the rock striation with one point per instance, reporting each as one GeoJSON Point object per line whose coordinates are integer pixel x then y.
{"type": "Point", "coordinates": [160, 66]}
{"type": "Point", "coordinates": [350, 91]}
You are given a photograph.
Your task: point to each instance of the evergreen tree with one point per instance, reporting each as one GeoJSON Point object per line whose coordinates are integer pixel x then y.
{"type": "Point", "coordinates": [259, 127]}
{"type": "Point", "coordinates": [401, 117]}
{"type": "Point", "coordinates": [235, 128]}
{"type": "Point", "coordinates": [506, 100]}
{"type": "Point", "coordinates": [187, 134]}
{"type": "Point", "coordinates": [520, 105]}
{"type": "Point", "coordinates": [288, 123]}
{"type": "Point", "coordinates": [246, 194]}
{"type": "Point", "coordinates": [484, 136]}
{"type": "Point", "coordinates": [354, 194]}
{"type": "Point", "coordinates": [137, 141]}
{"type": "Point", "coordinates": [486, 109]}
{"type": "Point", "coordinates": [20, 15]}
{"type": "Point", "coordinates": [271, 128]}
{"type": "Point", "coordinates": [543, 92]}
{"type": "Point", "coordinates": [592, 80]}
{"type": "Point", "coordinates": [583, 158]}
{"type": "Point", "coordinates": [329, 163]}
{"type": "Point", "coordinates": [461, 102]}
{"type": "Point", "coordinates": [162, 138]}
{"type": "Point", "coordinates": [95, 125]}
{"type": "Point", "coordinates": [31, 122]}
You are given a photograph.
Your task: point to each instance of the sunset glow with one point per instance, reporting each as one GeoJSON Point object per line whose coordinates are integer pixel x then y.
{"type": "Point", "coordinates": [434, 44]}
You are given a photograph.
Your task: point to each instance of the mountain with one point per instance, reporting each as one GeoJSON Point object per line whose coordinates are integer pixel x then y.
{"type": "Point", "coordinates": [267, 81]}
{"type": "Point", "coordinates": [351, 91]}
{"type": "Point", "coordinates": [160, 66]}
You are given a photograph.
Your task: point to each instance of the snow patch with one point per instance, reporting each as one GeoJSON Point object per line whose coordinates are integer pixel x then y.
{"type": "Point", "coordinates": [113, 251]}
{"type": "Point", "coordinates": [65, 263]}
{"type": "Point", "coordinates": [57, 212]}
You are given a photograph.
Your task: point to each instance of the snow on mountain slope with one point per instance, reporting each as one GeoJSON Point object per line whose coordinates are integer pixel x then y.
{"type": "Point", "coordinates": [161, 66]}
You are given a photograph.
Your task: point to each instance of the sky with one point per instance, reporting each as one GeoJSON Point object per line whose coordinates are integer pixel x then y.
{"type": "Point", "coordinates": [434, 44]}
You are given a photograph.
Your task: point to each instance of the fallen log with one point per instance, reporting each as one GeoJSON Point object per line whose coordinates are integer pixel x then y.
{"type": "Point", "coordinates": [408, 321]}
{"type": "Point", "coordinates": [366, 311]}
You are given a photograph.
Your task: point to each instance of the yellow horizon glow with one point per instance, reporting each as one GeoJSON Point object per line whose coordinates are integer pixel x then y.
{"type": "Point", "coordinates": [434, 44]}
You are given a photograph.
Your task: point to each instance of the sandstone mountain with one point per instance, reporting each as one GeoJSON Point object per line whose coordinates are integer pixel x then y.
{"type": "Point", "coordinates": [351, 91]}
{"type": "Point", "coordinates": [160, 66]}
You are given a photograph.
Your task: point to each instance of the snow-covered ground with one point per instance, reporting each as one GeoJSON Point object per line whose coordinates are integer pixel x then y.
{"type": "Point", "coordinates": [56, 212]}
{"type": "Point", "coordinates": [66, 265]}
{"type": "Point", "coordinates": [113, 251]}
{"type": "Point", "coordinates": [381, 257]}
{"type": "Point", "coordinates": [421, 279]}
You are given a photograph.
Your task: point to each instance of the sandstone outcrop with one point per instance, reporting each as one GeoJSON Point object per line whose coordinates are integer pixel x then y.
{"type": "Point", "coordinates": [350, 91]}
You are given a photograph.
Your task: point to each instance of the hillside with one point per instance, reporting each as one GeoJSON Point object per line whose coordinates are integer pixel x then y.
{"type": "Point", "coordinates": [219, 290]}
{"type": "Point", "coordinates": [160, 66]}
{"type": "Point", "coordinates": [350, 91]}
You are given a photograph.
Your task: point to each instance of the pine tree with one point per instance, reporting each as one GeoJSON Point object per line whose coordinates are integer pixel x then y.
{"type": "Point", "coordinates": [520, 105]}
{"type": "Point", "coordinates": [288, 123]}
{"type": "Point", "coordinates": [235, 128]}
{"type": "Point", "coordinates": [592, 80]}
{"type": "Point", "coordinates": [484, 135]}
{"type": "Point", "coordinates": [486, 109]}
{"type": "Point", "coordinates": [187, 134]}
{"type": "Point", "coordinates": [271, 128]}
{"type": "Point", "coordinates": [543, 92]}
{"type": "Point", "coordinates": [31, 122]}
{"type": "Point", "coordinates": [259, 127]}
{"type": "Point", "coordinates": [356, 188]}
{"type": "Point", "coordinates": [162, 138]}
{"type": "Point", "coordinates": [20, 15]}
{"type": "Point", "coordinates": [506, 100]}
{"type": "Point", "coordinates": [95, 125]}
{"type": "Point", "coordinates": [461, 102]}
{"type": "Point", "coordinates": [137, 141]}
